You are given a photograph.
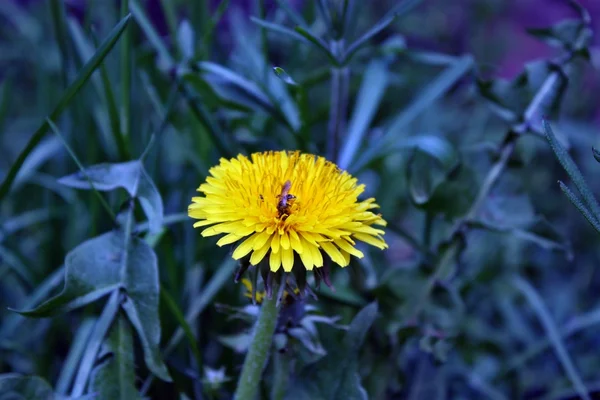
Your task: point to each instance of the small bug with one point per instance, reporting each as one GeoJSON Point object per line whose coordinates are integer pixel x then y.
{"type": "Point", "coordinates": [284, 199]}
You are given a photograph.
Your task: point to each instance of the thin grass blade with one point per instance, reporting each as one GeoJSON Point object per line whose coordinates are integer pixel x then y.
{"type": "Point", "coordinates": [82, 77]}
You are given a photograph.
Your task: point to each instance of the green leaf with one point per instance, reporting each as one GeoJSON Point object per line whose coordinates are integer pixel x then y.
{"type": "Point", "coordinates": [596, 154]}
{"type": "Point", "coordinates": [164, 57]}
{"type": "Point", "coordinates": [82, 77]}
{"type": "Point", "coordinates": [395, 132]}
{"type": "Point", "coordinates": [547, 321]}
{"type": "Point", "coordinates": [78, 345]}
{"type": "Point", "coordinates": [563, 34]}
{"type": "Point", "coordinates": [319, 43]}
{"type": "Point", "coordinates": [454, 196]}
{"type": "Point", "coordinates": [580, 206]}
{"type": "Point", "coordinates": [279, 29]}
{"type": "Point", "coordinates": [20, 387]}
{"type": "Point", "coordinates": [281, 74]}
{"type": "Point", "coordinates": [569, 165]}
{"type": "Point", "coordinates": [390, 17]}
{"type": "Point", "coordinates": [539, 232]}
{"type": "Point", "coordinates": [130, 176]}
{"type": "Point", "coordinates": [533, 94]}
{"type": "Point", "coordinates": [106, 263]}
{"type": "Point", "coordinates": [186, 39]}
{"type": "Point", "coordinates": [335, 376]}
{"type": "Point", "coordinates": [507, 210]}
{"type": "Point", "coordinates": [424, 175]}
{"type": "Point", "coordinates": [115, 377]}
{"type": "Point", "coordinates": [371, 92]}
{"type": "Point", "coordinates": [223, 78]}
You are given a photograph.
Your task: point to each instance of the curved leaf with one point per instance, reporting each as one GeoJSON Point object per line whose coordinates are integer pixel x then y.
{"type": "Point", "coordinates": [130, 176]}
{"type": "Point", "coordinates": [107, 263]}
{"type": "Point", "coordinates": [335, 376]}
{"type": "Point", "coordinates": [19, 387]}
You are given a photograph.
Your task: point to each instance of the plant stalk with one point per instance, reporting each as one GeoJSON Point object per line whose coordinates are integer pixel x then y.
{"type": "Point", "coordinates": [258, 353]}
{"type": "Point", "coordinates": [340, 78]}
{"type": "Point", "coordinates": [283, 363]}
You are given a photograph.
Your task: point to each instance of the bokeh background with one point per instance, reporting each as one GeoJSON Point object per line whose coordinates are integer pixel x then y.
{"type": "Point", "coordinates": [482, 328]}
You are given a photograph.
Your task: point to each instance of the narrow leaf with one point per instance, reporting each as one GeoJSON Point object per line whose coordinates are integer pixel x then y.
{"type": "Point", "coordinates": [538, 306]}
{"type": "Point", "coordinates": [569, 165]}
{"type": "Point", "coordinates": [95, 341]}
{"type": "Point", "coordinates": [115, 377]}
{"type": "Point", "coordinates": [281, 74]}
{"type": "Point", "coordinates": [319, 43]}
{"type": "Point", "coordinates": [378, 27]}
{"type": "Point", "coordinates": [371, 92]}
{"type": "Point", "coordinates": [436, 89]}
{"type": "Point", "coordinates": [580, 206]}
{"type": "Point", "coordinates": [82, 77]}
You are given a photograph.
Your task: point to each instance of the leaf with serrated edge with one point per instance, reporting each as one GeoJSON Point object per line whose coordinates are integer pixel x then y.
{"type": "Point", "coordinates": [335, 376]}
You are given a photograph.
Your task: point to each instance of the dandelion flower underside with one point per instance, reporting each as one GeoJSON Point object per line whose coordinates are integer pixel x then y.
{"type": "Point", "coordinates": [285, 206]}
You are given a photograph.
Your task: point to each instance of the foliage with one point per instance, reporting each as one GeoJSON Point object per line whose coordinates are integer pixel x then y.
{"type": "Point", "coordinates": [111, 117]}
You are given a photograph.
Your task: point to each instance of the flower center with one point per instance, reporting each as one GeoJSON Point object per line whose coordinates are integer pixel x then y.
{"type": "Point", "coordinates": [285, 200]}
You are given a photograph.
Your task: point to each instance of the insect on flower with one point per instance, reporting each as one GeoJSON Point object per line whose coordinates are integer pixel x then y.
{"type": "Point", "coordinates": [247, 200]}
{"type": "Point", "coordinates": [285, 199]}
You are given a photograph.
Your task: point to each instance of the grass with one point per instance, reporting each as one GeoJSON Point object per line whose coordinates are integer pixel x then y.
{"type": "Point", "coordinates": [473, 294]}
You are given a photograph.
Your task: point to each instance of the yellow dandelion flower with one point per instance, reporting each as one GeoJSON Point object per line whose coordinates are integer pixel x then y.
{"type": "Point", "coordinates": [286, 206]}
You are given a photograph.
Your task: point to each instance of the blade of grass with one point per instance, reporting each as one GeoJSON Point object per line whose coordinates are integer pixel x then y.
{"type": "Point", "coordinates": [13, 263]}
{"type": "Point", "coordinates": [207, 36]}
{"type": "Point", "coordinates": [16, 223]}
{"type": "Point", "coordinates": [224, 273]}
{"type": "Point", "coordinates": [320, 44]}
{"type": "Point", "coordinates": [300, 34]}
{"type": "Point", "coordinates": [576, 325]}
{"type": "Point", "coordinates": [59, 23]}
{"type": "Point", "coordinates": [567, 162]}
{"type": "Point", "coordinates": [83, 171]}
{"type": "Point", "coordinates": [113, 113]}
{"type": "Point", "coordinates": [164, 113]}
{"type": "Point", "coordinates": [11, 322]}
{"type": "Point", "coordinates": [436, 89]}
{"type": "Point", "coordinates": [538, 306]}
{"type": "Point", "coordinates": [369, 96]}
{"type": "Point", "coordinates": [291, 13]}
{"type": "Point", "coordinates": [167, 220]}
{"type": "Point", "coordinates": [580, 206]}
{"type": "Point", "coordinates": [93, 345]}
{"type": "Point", "coordinates": [82, 77]}
{"type": "Point", "coordinates": [85, 49]}
{"type": "Point", "coordinates": [5, 89]}
{"type": "Point", "coordinates": [126, 65]}
{"type": "Point", "coordinates": [168, 7]}
{"type": "Point", "coordinates": [204, 117]}
{"type": "Point", "coordinates": [187, 330]}
{"type": "Point", "coordinates": [151, 34]}
{"type": "Point", "coordinates": [378, 27]}
{"type": "Point", "coordinates": [69, 368]}
{"type": "Point", "coordinates": [279, 29]}
{"type": "Point", "coordinates": [323, 7]}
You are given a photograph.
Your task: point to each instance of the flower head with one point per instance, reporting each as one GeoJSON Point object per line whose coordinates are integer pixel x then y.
{"type": "Point", "coordinates": [287, 207]}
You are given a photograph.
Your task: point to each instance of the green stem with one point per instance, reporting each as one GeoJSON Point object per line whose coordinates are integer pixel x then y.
{"type": "Point", "coordinates": [258, 352]}
{"type": "Point", "coordinates": [281, 376]}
